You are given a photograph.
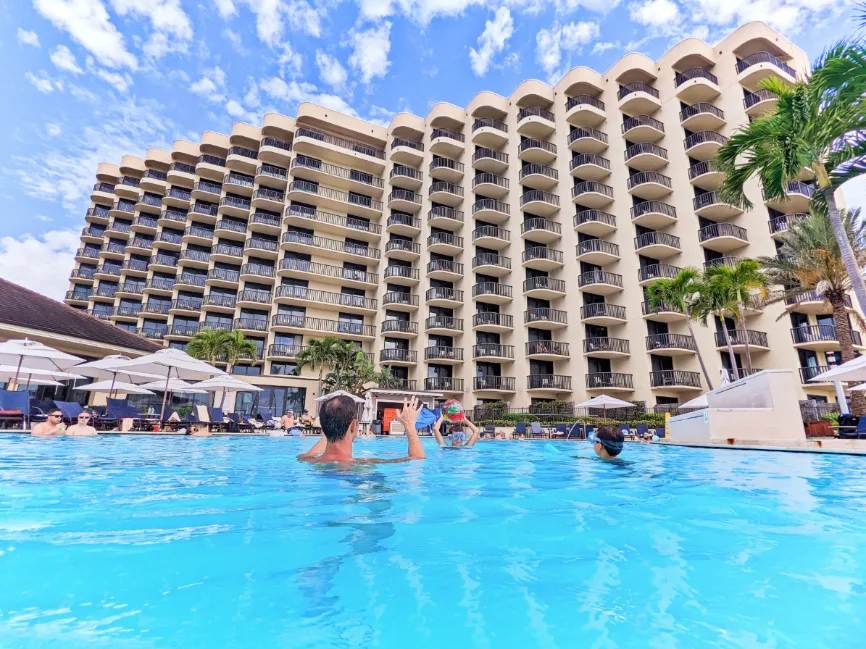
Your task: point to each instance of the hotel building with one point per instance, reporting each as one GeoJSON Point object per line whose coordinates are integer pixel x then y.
{"type": "Point", "coordinates": [493, 252]}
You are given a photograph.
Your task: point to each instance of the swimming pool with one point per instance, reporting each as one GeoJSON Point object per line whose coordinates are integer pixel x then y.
{"type": "Point", "coordinates": [225, 542]}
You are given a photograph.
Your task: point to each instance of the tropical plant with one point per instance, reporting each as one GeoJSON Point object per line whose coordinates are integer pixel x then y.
{"type": "Point", "coordinates": [811, 262]}
{"type": "Point", "coordinates": [733, 287]}
{"type": "Point", "coordinates": [238, 347]}
{"type": "Point", "coordinates": [712, 301]}
{"type": "Point", "coordinates": [319, 354]}
{"type": "Point", "coordinates": [353, 370]}
{"type": "Point", "coordinates": [208, 345]}
{"type": "Point", "coordinates": [817, 129]}
{"type": "Point", "coordinates": [680, 293]}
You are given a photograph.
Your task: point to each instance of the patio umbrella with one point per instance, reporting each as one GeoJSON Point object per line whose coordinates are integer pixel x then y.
{"type": "Point", "coordinates": [604, 401]}
{"type": "Point", "coordinates": [106, 368]}
{"type": "Point", "coordinates": [114, 386]}
{"type": "Point", "coordinates": [368, 412]}
{"type": "Point", "coordinates": [168, 363]}
{"type": "Point", "coordinates": [853, 370]}
{"type": "Point", "coordinates": [726, 377]}
{"type": "Point", "coordinates": [39, 356]}
{"type": "Point", "coordinates": [18, 374]}
{"type": "Point", "coordinates": [173, 385]}
{"type": "Point", "coordinates": [226, 383]}
{"type": "Point", "coordinates": [341, 393]}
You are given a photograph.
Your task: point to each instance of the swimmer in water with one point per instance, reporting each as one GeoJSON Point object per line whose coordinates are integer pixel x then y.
{"type": "Point", "coordinates": [458, 438]}
{"type": "Point", "coordinates": [607, 442]}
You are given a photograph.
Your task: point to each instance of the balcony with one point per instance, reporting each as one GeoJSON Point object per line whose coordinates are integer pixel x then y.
{"type": "Point", "coordinates": [535, 121]}
{"type": "Point", "coordinates": [268, 199]}
{"type": "Point", "coordinates": [486, 184]}
{"type": "Point", "coordinates": [78, 297]}
{"type": "Point", "coordinates": [491, 264]}
{"type": "Point", "coordinates": [549, 350]}
{"type": "Point", "coordinates": [587, 140]}
{"type": "Point", "coordinates": [253, 298]}
{"type": "Point", "coordinates": [675, 380]}
{"type": "Point", "coordinates": [602, 314]}
{"type": "Point", "coordinates": [696, 85]}
{"type": "Point", "coordinates": [311, 270]}
{"type": "Point", "coordinates": [446, 142]}
{"type": "Point", "coordinates": [638, 98]}
{"type": "Point", "coordinates": [444, 269]}
{"type": "Point", "coordinates": [584, 110]}
{"type": "Point", "coordinates": [711, 206]}
{"type": "Point", "coordinates": [83, 254]}
{"type": "Point", "coordinates": [351, 226]}
{"type": "Point", "coordinates": [407, 152]}
{"type": "Point", "coordinates": [702, 117]}
{"type": "Point", "coordinates": [126, 313]}
{"type": "Point", "coordinates": [493, 322]}
{"type": "Point", "coordinates": [399, 328]}
{"type": "Point", "coordinates": [650, 273]}
{"type": "Point", "coordinates": [402, 249]}
{"type": "Point", "coordinates": [822, 338]}
{"type": "Point", "coordinates": [333, 248]}
{"type": "Point", "coordinates": [285, 351]}
{"type": "Point", "coordinates": [671, 344]}
{"type": "Point", "coordinates": [781, 224]}
{"type": "Point", "coordinates": [236, 206]}
{"type": "Point", "coordinates": [406, 177]}
{"type": "Point", "coordinates": [441, 296]}
{"type": "Point", "coordinates": [753, 69]}
{"type": "Point", "coordinates": [489, 132]}
{"type": "Point", "coordinates": [539, 202]}
{"type": "Point", "coordinates": [706, 176]}
{"type": "Point", "coordinates": [440, 324]}
{"type": "Point", "coordinates": [658, 245]}
{"type": "Point", "coordinates": [649, 185]}
{"type": "Point", "coordinates": [723, 237]}
{"type": "Point", "coordinates": [400, 301]}
{"type": "Point", "coordinates": [207, 191]}
{"type": "Point", "coordinates": [444, 355]}
{"type": "Point", "coordinates": [757, 340]}
{"type": "Point", "coordinates": [328, 198]}
{"type": "Point", "coordinates": [444, 217]}
{"type": "Point", "coordinates": [250, 325]}
{"type": "Point", "coordinates": [122, 208]}
{"type": "Point", "coordinates": [182, 331]}
{"type": "Point", "coordinates": [535, 151]}
{"type": "Point", "coordinates": [223, 252]}
{"type": "Point", "coordinates": [493, 384]}
{"type": "Point", "coordinates": [488, 209]}
{"type": "Point", "coordinates": [83, 274]}
{"type": "Point", "coordinates": [538, 176]}
{"type": "Point", "coordinates": [130, 289]}
{"type": "Point", "coordinates": [489, 236]}
{"type": "Point", "coordinates": [642, 128]}
{"type": "Point", "coordinates": [594, 222]}
{"type": "Point", "coordinates": [609, 381]}
{"type": "Point", "coordinates": [242, 159]}
{"type": "Point", "coordinates": [810, 372]}
{"type": "Point", "coordinates": [589, 166]}
{"type": "Point", "coordinates": [662, 312]}
{"type": "Point", "coordinates": [445, 243]}
{"type": "Point", "coordinates": [600, 282]}
{"type": "Point", "coordinates": [239, 183]}
{"type": "Point", "coordinates": [402, 275]}
{"type": "Point", "coordinates": [493, 352]}
{"type": "Point", "coordinates": [703, 145]}
{"type": "Point", "coordinates": [163, 263]}
{"type": "Point", "coordinates": [404, 200]}
{"type": "Point", "coordinates": [730, 262]}
{"type": "Point", "coordinates": [541, 258]}
{"type": "Point", "coordinates": [548, 383]}
{"type": "Point", "coordinates": [194, 258]}
{"type": "Point", "coordinates": [489, 161]}
{"type": "Point", "coordinates": [178, 197]}
{"type": "Point", "coordinates": [300, 324]}
{"type": "Point", "coordinates": [545, 318]}
{"type": "Point", "coordinates": [443, 384]}
{"type": "Point", "coordinates": [446, 169]}
{"type": "Point", "coordinates": [156, 308]}
{"type": "Point", "coordinates": [445, 193]}
{"type": "Point", "coordinates": [356, 154]}
{"type": "Point", "coordinates": [189, 281]}
{"type": "Point", "coordinates": [223, 277]}
{"type": "Point", "coordinates": [219, 302]}
{"type": "Point", "coordinates": [592, 194]}
{"type": "Point", "coordinates": [398, 357]}
{"type": "Point", "coordinates": [198, 235]}
{"type": "Point", "coordinates": [210, 166]}
{"type": "Point", "coordinates": [543, 287]}
{"type": "Point", "coordinates": [540, 230]}
{"type": "Point", "coordinates": [274, 151]}
{"type": "Point", "coordinates": [159, 286]}
{"type": "Point", "coordinates": [797, 197]}
{"type": "Point", "coordinates": [646, 156]}
{"type": "Point", "coordinates": [403, 224]}
{"type": "Point", "coordinates": [492, 292]}
{"type": "Point", "coordinates": [186, 306]}
{"type": "Point", "coordinates": [606, 347]}
{"type": "Point", "coordinates": [102, 192]}
{"type": "Point", "coordinates": [597, 251]}
{"type": "Point", "coordinates": [208, 213]}
{"type": "Point", "coordinates": [104, 314]}
{"type": "Point", "coordinates": [760, 103]}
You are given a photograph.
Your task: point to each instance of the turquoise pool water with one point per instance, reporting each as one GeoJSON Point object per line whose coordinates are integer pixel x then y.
{"type": "Point", "coordinates": [134, 542]}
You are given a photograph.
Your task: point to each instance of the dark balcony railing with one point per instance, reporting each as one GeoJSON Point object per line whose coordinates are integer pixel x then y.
{"type": "Point", "coordinates": [504, 383]}
{"type": "Point", "coordinates": [320, 324]}
{"type": "Point", "coordinates": [406, 220]}
{"type": "Point", "coordinates": [106, 269]}
{"type": "Point", "coordinates": [538, 170]}
{"type": "Point", "coordinates": [236, 202]}
{"type": "Point", "coordinates": [491, 288]}
{"type": "Point", "coordinates": [82, 272]}
{"type": "Point", "coordinates": [599, 277]}
{"type": "Point", "coordinates": [242, 180]}
{"type": "Point", "coordinates": [489, 122]}
{"type": "Point", "coordinates": [492, 232]}
{"type": "Point", "coordinates": [403, 245]}
{"type": "Point", "coordinates": [165, 260]}
{"type": "Point", "coordinates": [254, 243]}
{"type": "Point", "coordinates": [591, 187]}
{"type": "Point", "coordinates": [226, 249]}
{"type": "Point", "coordinates": [670, 341]}
{"type": "Point", "coordinates": [243, 152]}
{"type": "Point", "coordinates": [445, 239]}
{"type": "Point", "coordinates": [79, 295]}
{"type": "Point", "coordinates": [577, 100]}
{"type": "Point", "coordinates": [444, 265]}
{"type": "Point", "coordinates": [102, 314]}
{"type": "Point", "coordinates": [406, 272]}
{"type": "Point", "coordinates": [490, 204]}
{"type": "Point", "coordinates": [717, 230]}
{"type": "Point", "coordinates": [446, 163]}
{"type": "Point", "coordinates": [446, 187]}
{"type": "Point", "coordinates": [783, 223]}
{"type": "Point", "coordinates": [647, 177]}
{"type": "Point", "coordinates": [254, 295]}
{"type": "Point", "coordinates": [602, 310]}
{"type": "Point", "coordinates": [439, 353]}
{"type": "Point", "coordinates": [399, 326]}
{"type": "Point", "coordinates": [200, 232]}
{"type": "Point", "coordinates": [207, 209]}
{"type": "Point", "coordinates": [104, 187]}
{"type": "Point", "coordinates": [334, 219]}
{"type": "Point", "coordinates": [403, 171]}
{"type": "Point", "coordinates": [88, 253]}
{"type": "Point", "coordinates": [326, 297]}
{"type": "Point", "coordinates": [398, 356]}
{"type": "Point", "coordinates": [160, 284]}
{"type": "Point", "coordinates": [703, 137]}
{"type": "Point", "coordinates": [412, 144]}
{"type": "Point", "coordinates": [285, 351]}
{"type": "Point", "coordinates": [491, 154]}
{"type": "Point", "coordinates": [400, 194]}
{"type": "Point", "coordinates": [730, 262]}
{"type": "Point", "coordinates": [447, 133]}
{"type": "Point", "coordinates": [706, 199]}
{"type": "Point", "coordinates": [272, 171]}
{"type": "Point", "coordinates": [219, 299]}
{"type": "Point", "coordinates": [251, 324]}
{"type": "Point", "coordinates": [637, 86]}
{"type": "Point", "coordinates": [645, 148]}
{"type": "Point", "coordinates": [211, 159]}
{"type": "Point", "coordinates": [491, 259]}
{"type": "Point", "coordinates": [653, 207]}
{"type": "Point", "coordinates": [821, 333]}
{"type": "Point", "coordinates": [486, 179]}
{"type": "Point", "coordinates": [656, 239]}
{"type": "Point", "coordinates": [145, 221]}
{"type": "Point", "coordinates": [535, 143]}
{"type": "Point", "coordinates": [757, 97]}
{"type": "Point", "coordinates": [607, 345]}
{"type": "Point", "coordinates": [186, 304]}
{"type": "Point", "coordinates": [597, 245]}
{"type": "Point", "coordinates": [537, 223]}
{"type": "Point", "coordinates": [259, 270]}
{"type": "Point", "coordinates": [302, 238]}
{"type": "Point", "coordinates": [444, 322]}
{"type": "Point", "coordinates": [205, 186]}
{"type": "Point", "coordinates": [695, 73]}
{"type": "Point", "coordinates": [483, 318]}
{"type": "Point", "coordinates": [540, 252]}
{"type": "Point", "coordinates": [492, 350]}
{"type": "Point", "coordinates": [812, 296]}
{"type": "Point", "coordinates": [535, 111]}
{"type": "Point", "coordinates": [545, 315]}
{"type": "Point", "coordinates": [445, 212]}
{"type": "Point", "coordinates": [195, 255]}
{"type": "Point", "coordinates": [343, 143]}
{"type": "Point", "coordinates": [399, 297]}
{"type": "Point", "coordinates": [192, 280]}
{"type": "Point", "coordinates": [443, 384]}
{"type": "Point", "coordinates": [649, 309]}
{"type": "Point", "coordinates": [764, 57]}
{"type": "Point", "coordinates": [160, 308]}
{"type": "Point", "coordinates": [543, 282]}
{"type": "Point", "coordinates": [135, 288]}
{"type": "Point", "coordinates": [594, 216]}
{"type": "Point", "coordinates": [442, 293]}
{"type": "Point", "coordinates": [674, 378]}
{"type": "Point", "coordinates": [641, 120]}
{"type": "Point", "coordinates": [187, 331]}
{"type": "Point", "coordinates": [277, 144]}
{"type": "Point", "coordinates": [539, 196]}
{"type": "Point", "coordinates": [812, 371]}
{"type": "Point", "coordinates": [701, 168]}
{"type": "Point", "coordinates": [601, 380]}
{"type": "Point", "coordinates": [224, 274]}
{"type": "Point", "coordinates": [699, 109]}
{"type": "Point", "coordinates": [552, 347]}
{"type": "Point", "coordinates": [738, 337]}
{"type": "Point", "coordinates": [586, 132]}
{"type": "Point", "coordinates": [548, 382]}
{"type": "Point", "coordinates": [657, 271]}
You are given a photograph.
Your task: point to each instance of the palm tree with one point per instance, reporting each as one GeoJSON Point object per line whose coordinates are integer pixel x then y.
{"type": "Point", "coordinates": [817, 126]}
{"type": "Point", "coordinates": [712, 301]}
{"type": "Point", "coordinates": [811, 262]}
{"type": "Point", "coordinates": [236, 347]}
{"type": "Point", "coordinates": [320, 353]}
{"type": "Point", "coordinates": [680, 292]}
{"type": "Point", "coordinates": [208, 345]}
{"type": "Point", "coordinates": [353, 370]}
{"type": "Point", "coordinates": [734, 285]}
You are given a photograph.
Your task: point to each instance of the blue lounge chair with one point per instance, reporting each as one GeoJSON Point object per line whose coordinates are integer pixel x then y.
{"type": "Point", "coordinates": [575, 431]}
{"type": "Point", "coordinates": [217, 418]}
{"type": "Point", "coordinates": [625, 430]}
{"type": "Point", "coordinates": [561, 430]}
{"type": "Point", "coordinates": [238, 423]}
{"type": "Point", "coordinates": [857, 433]}
{"type": "Point", "coordinates": [590, 428]}
{"type": "Point", "coordinates": [536, 429]}
{"type": "Point", "coordinates": [70, 410]}
{"type": "Point", "coordinates": [642, 429]}
{"type": "Point", "coordinates": [520, 429]}
{"type": "Point", "coordinates": [660, 432]}
{"type": "Point", "coordinates": [14, 408]}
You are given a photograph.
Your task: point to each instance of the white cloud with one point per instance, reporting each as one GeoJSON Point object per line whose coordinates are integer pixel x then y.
{"type": "Point", "coordinates": [53, 129]}
{"type": "Point", "coordinates": [330, 70]}
{"type": "Point", "coordinates": [226, 8]}
{"type": "Point", "coordinates": [88, 23]}
{"type": "Point", "coordinates": [380, 116]}
{"type": "Point", "coordinates": [272, 16]}
{"type": "Point", "coordinates": [211, 86]}
{"type": "Point", "coordinates": [121, 82]}
{"type": "Point", "coordinates": [787, 16]}
{"type": "Point", "coordinates": [82, 94]}
{"type": "Point", "coordinates": [64, 59]}
{"type": "Point", "coordinates": [172, 29]}
{"type": "Point", "coordinates": [28, 38]}
{"type": "Point", "coordinates": [370, 51]}
{"type": "Point", "coordinates": [492, 41]}
{"type": "Point", "coordinates": [55, 251]}
{"type": "Point", "coordinates": [236, 110]}
{"type": "Point", "coordinates": [237, 43]}
{"type": "Point", "coordinates": [43, 218]}
{"type": "Point", "coordinates": [43, 83]}
{"type": "Point", "coordinates": [603, 46]}
{"type": "Point", "coordinates": [655, 13]}
{"type": "Point", "coordinates": [551, 42]}
{"type": "Point", "coordinates": [290, 62]}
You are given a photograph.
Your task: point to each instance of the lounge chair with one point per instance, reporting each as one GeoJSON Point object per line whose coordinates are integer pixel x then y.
{"type": "Point", "coordinates": [576, 431]}
{"type": "Point", "coordinates": [590, 428]}
{"type": "Point", "coordinates": [217, 419]}
{"type": "Point", "coordinates": [238, 423]}
{"type": "Point", "coordinates": [660, 432]}
{"type": "Point", "coordinates": [858, 433]}
{"type": "Point", "coordinates": [561, 430]}
{"type": "Point", "coordinates": [70, 410]}
{"type": "Point", "coordinates": [625, 430]}
{"type": "Point", "coordinates": [14, 408]}
{"type": "Point", "coordinates": [520, 429]}
{"type": "Point", "coordinates": [490, 429]}
{"type": "Point", "coordinates": [642, 429]}
{"type": "Point", "coordinates": [535, 426]}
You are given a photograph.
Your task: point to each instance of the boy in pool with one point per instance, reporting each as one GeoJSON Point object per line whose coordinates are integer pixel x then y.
{"type": "Point", "coordinates": [607, 442]}
{"type": "Point", "coordinates": [458, 438]}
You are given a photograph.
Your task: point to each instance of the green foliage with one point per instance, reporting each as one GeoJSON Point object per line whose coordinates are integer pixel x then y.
{"type": "Point", "coordinates": [831, 417]}
{"type": "Point", "coordinates": [213, 345]}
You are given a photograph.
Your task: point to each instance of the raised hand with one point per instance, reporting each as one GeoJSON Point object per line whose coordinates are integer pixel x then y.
{"type": "Point", "coordinates": [408, 414]}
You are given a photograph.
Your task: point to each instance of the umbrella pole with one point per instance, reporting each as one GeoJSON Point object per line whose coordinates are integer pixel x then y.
{"type": "Point", "coordinates": [18, 371]}
{"type": "Point", "coordinates": [164, 395]}
{"type": "Point", "coordinates": [111, 389]}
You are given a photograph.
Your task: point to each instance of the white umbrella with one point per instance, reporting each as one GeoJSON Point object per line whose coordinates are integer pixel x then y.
{"type": "Point", "coordinates": [226, 383]}
{"type": "Point", "coordinates": [341, 393]}
{"type": "Point", "coordinates": [114, 386]}
{"type": "Point", "coordinates": [173, 385]}
{"type": "Point", "coordinates": [39, 356]}
{"type": "Point", "coordinates": [726, 377]}
{"type": "Point", "coordinates": [19, 374]}
{"type": "Point", "coordinates": [604, 401]}
{"type": "Point", "coordinates": [44, 382]}
{"type": "Point", "coordinates": [853, 370]}
{"type": "Point", "coordinates": [368, 412]}
{"type": "Point", "coordinates": [106, 368]}
{"type": "Point", "coordinates": [697, 402]}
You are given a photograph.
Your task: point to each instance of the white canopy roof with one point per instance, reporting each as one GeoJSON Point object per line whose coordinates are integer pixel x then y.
{"type": "Point", "coordinates": [36, 355]}
{"type": "Point", "coordinates": [226, 383]}
{"type": "Point", "coordinates": [853, 370]}
{"type": "Point", "coordinates": [604, 401]}
{"type": "Point", "coordinates": [173, 385]}
{"type": "Point", "coordinates": [171, 363]}
{"type": "Point", "coordinates": [106, 368]}
{"type": "Point", "coordinates": [9, 372]}
{"type": "Point", "coordinates": [116, 386]}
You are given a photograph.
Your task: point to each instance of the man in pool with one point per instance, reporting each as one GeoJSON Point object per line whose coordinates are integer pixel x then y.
{"type": "Point", "coordinates": [607, 442]}
{"type": "Point", "coordinates": [339, 419]}
{"type": "Point", "coordinates": [52, 426]}
{"type": "Point", "coordinates": [458, 438]}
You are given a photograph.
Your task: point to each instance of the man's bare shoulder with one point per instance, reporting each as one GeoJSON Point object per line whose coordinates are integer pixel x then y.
{"type": "Point", "coordinates": [354, 460]}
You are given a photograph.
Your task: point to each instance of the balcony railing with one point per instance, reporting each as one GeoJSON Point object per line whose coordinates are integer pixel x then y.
{"type": "Point", "coordinates": [334, 194]}
{"type": "Point", "coordinates": [656, 239]}
{"type": "Point", "coordinates": [484, 179]}
{"type": "Point", "coordinates": [492, 232]}
{"type": "Point", "coordinates": [491, 288]}
{"type": "Point", "coordinates": [398, 356]}
{"type": "Point", "coordinates": [552, 347]}
{"type": "Point", "coordinates": [699, 109]}
{"type": "Point", "coordinates": [672, 378]}
{"type": "Point", "coordinates": [694, 73]}
{"type": "Point", "coordinates": [326, 297]}
{"type": "Point", "coordinates": [490, 204]}
{"type": "Point", "coordinates": [504, 383]}
{"type": "Point", "coordinates": [583, 99]}
{"type": "Point", "coordinates": [444, 322]}
{"type": "Point", "coordinates": [548, 382]}
{"type": "Point", "coordinates": [259, 270]}
{"type": "Point", "coordinates": [585, 159]}
{"type": "Point", "coordinates": [136, 288]}
{"type": "Point", "coordinates": [491, 259]}
{"type": "Point", "coordinates": [783, 223]}
{"type": "Point", "coordinates": [540, 252]}
{"type": "Point", "coordinates": [594, 216]}
{"type": "Point", "coordinates": [489, 122]}
{"type": "Point", "coordinates": [701, 168]}
{"type": "Point", "coordinates": [224, 274]}
{"type": "Point", "coordinates": [545, 315]}
{"type": "Point", "coordinates": [161, 283]}
{"type": "Point", "coordinates": [492, 350]}
{"type": "Point", "coordinates": [538, 170]}
{"type": "Point", "coordinates": [443, 293]}
{"type": "Point", "coordinates": [439, 353]}
{"type": "Point", "coordinates": [602, 310]}
{"type": "Point", "coordinates": [534, 143]}
{"type": "Point", "coordinates": [597, 245]}
{"type": "Point", "coordinates": [195, 255]}
{"type": "Point", "coordinates": [599, 277]}
{"type": "Point", "coordinates": [412, 144]}
{"type": "Point", "coordinates": [483, 318]}
{"type": "Point", "coordinates": [649, 309]}
{"type": "Point", "coordinates": [653, 207]}
{"type": "Point", "coordinates": [607, 345]}
{"type": "Point", "coordinates": [445, 212]}
{"type": "Point", "coordinates": [645, 148]}
{"type": "Point", "coordinates": [535, 111]}
{"type": "Point", "coordinates": [446, 187]}
{"type": "Point", "coordinates": [810, 372]}
{"type": "Point", "coordinates": [537, 195]}
{"type": "Point", "coordinates": [229, 251]}
{"type": "Point", "coordinates": [730, 262]}
{"type": "Point", "coordinates": [399, 297]}
{"type": "Point", "coordinates": [399, 326]}
{"type": "Point", "coordinates": [657, 271]}
{"type": "Point", "coordinates": [738, 337]}
{"type": "Point", "coordinates": [343, 143]}
{"type": "Point", "coordinates": [285, 351]}
{"type": "Point", "coordinates": [352, 222]}
{"type": "Point", "coordinates": [592, 187]}
{"type": "Point", "coordinates": [757, 97]}
{"type": "Point", "coordinates": [716, 230]}
{"type": "Point", "coordinates": [403, 245]}
{"type": "Point", "coordinates": [485, 153]}
{"type": "Point", "coordinates": [703, 137]}
{"type": "Point", "coordinates": [646, 177]}
{"type": "Point", "coordinates": [320, 324]}
{"type": "Point", "coordinates": [764, 57]}
{"type": "Point", "coordinates": [821, 333]}
{"type": "Point", "coordinates": [406, 272]}
{"type": "Point", "coordinates": [337, 171]}
{"type": "Point", "coordinates": [444, 238]}
{"type": "Point", "coordinates": [208, 209]}
{"type": "Point", "coordinates": [543, 282]}
{"type": "Point", "coordinates": [445, 265]}
{"type": "Point", "coordinates": [336, 245]}
{"type": "Point", "coordinates": [586, 132]}
{"type": "Point", "coordinates": [447, 163]}
{"type": "Point", "coordinates": [443, 384]}
{"type": "Point", "coordinates": [219, 299]}
{"type": "Point", "coordinates": [600, 380]}
{"type": "Point", "coordinates": [637, 86]}
{"type": "Point", "coordinates": [192, 280]}
{"type": "Point", "coordinates": [79, 295]}
{"type": "Point", "coordinates": [670, 341]}
{"type": "Point", "coordinates": [447, 133]}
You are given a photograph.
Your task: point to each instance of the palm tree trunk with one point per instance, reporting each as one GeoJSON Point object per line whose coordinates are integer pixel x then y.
{"type": "Point", "coordinates": [735, 371]}
{"type": "Point", "coordinates": [700, 357]}
{"type": "Point", "coordinates": [854, 272]}
{"type": "Point", "coordinates": [846, 345]}
{"type": "Point", "coordinates": [741, 321]}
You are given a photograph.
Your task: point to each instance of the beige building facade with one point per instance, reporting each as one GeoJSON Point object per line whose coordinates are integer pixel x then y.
{"type": "Point", "coordinates": [497, 252]}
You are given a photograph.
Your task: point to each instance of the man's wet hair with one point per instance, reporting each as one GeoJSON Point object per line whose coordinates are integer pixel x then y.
{"type": "Point", "coordinates": [336, 415]}
{"type": "Point", "coordinates": [611, 438]}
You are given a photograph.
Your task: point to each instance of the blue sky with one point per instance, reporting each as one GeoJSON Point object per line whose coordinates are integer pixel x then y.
{"type": "Point", "coordinates": [90, 80]}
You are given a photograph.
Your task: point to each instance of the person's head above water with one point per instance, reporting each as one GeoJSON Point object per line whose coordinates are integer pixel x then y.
{"type": "Point", "coordinates": [607, 442]}
{"type": "Point", "coordinates": [458, 437]}
{"type": "Point", "coordinates": [339, 419]}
